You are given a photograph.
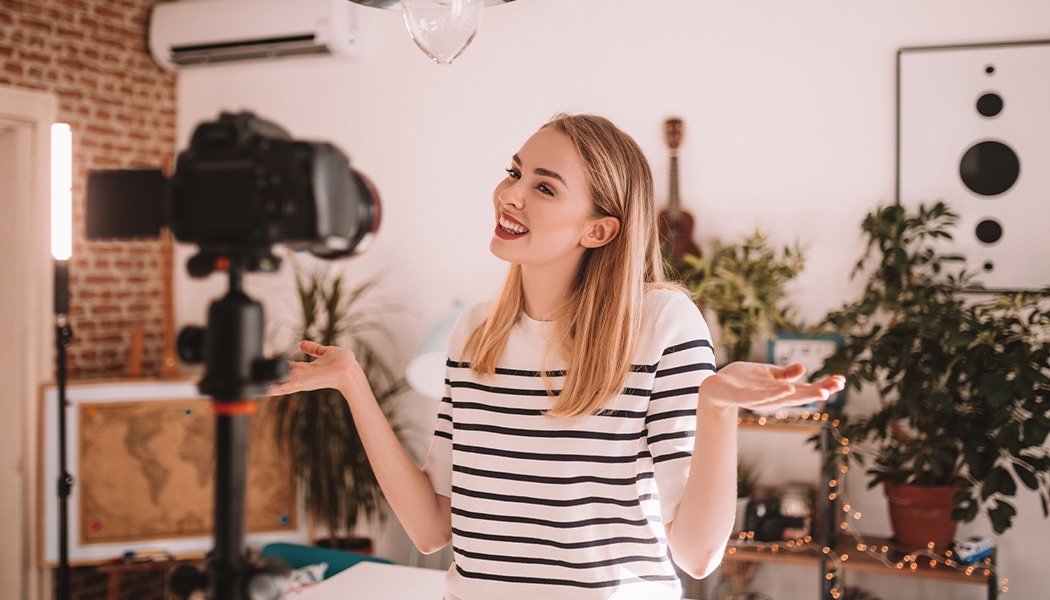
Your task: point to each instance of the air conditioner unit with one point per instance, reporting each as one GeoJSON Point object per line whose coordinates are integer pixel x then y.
{"type": "Point", "coordinates": [187, 33]}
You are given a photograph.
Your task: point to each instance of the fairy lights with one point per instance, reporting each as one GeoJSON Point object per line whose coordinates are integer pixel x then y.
{"type": "Point", "coordinates": [925, 558]}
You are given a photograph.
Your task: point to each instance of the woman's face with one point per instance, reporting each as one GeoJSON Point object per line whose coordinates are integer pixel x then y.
{"type": "Point", "coordinates": [543, 207]}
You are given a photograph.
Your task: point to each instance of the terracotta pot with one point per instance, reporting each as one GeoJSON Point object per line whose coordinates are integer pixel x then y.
{"type": "Point", "coordinates": [921, 514]}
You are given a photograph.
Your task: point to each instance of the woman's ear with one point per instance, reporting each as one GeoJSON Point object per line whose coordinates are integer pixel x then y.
{"type": "Point", "coordinates": [600, 232]}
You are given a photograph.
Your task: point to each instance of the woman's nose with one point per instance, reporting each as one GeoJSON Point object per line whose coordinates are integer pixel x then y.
{"type": "Point", "coordinates": [511, 196]}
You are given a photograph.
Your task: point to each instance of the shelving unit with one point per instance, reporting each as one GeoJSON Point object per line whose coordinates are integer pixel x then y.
{"type": "Point", "coordinates": [843, 547]}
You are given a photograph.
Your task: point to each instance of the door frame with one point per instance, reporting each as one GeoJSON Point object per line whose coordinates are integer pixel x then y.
{"type": "Point", "coordinates": [35, 110]}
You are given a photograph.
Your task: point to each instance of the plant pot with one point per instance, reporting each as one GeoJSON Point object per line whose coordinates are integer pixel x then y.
{"type": "Point", "coordinates": [921, 514]}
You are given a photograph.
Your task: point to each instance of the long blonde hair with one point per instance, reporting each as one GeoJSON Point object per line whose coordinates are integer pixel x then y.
{"type": "Point", "coordinates": [599, 328]}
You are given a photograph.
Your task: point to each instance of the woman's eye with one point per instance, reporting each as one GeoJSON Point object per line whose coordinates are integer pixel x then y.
{"type": "Point", "coordinates": [545, 189]}
{"type": "Point", "coordinates": [513, 173]}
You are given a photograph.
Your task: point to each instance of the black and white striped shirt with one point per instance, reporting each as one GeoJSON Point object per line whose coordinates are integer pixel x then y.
{"type": "Point", "coordinates": [546, 508]}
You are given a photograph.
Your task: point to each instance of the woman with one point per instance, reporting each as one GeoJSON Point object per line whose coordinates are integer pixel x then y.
{"type": "Point", "coordinates": [584, 436]}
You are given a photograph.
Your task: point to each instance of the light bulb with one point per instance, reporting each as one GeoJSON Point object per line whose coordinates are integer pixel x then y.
{"type": "Point", "coordinates": [442, 28]}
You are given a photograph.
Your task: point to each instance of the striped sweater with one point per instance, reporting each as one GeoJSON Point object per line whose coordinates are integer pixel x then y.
{"type": "Point", "coordinates": [546, 508]}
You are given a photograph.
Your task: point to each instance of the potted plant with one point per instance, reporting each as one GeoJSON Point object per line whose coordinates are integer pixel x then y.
{"type": "Point", "coordinates": [962, 380]}
{"type": "Point", "coordinates": [743, 284]}
{"type": "Point", "coordinates": [340, 488]}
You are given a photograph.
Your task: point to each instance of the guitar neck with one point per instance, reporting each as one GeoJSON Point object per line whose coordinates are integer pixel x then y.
{"type": "Point", "coordinates": [673, 204]}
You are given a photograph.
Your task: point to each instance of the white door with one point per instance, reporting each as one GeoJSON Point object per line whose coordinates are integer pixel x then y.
{"type": "Point", "coordinates": [25, 119]}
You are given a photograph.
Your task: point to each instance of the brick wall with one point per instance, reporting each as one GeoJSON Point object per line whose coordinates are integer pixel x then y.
{"type": "Point", "coordinates": [92, 54]}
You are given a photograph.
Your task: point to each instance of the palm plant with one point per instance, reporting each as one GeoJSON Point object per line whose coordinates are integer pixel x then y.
{"type": "Point", "coordinates": [340, 488]}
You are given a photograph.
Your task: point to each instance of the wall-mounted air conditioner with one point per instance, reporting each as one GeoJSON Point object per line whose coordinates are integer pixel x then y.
{"type": "Point", "coordinates": [186, 33]}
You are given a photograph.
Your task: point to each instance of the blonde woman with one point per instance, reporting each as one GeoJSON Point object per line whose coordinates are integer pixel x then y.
{"type": "Point", "coordinates": [584, 438]}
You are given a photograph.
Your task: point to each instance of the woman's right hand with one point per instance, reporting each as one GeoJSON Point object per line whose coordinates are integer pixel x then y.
{"type": "Point", "coordinates": [334, 368]}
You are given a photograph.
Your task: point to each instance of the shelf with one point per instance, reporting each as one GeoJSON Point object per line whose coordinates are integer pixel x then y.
{"type": "Point", "coordinates": [774, 423]}
{"type": "Point", "coordinates": [856, 561]}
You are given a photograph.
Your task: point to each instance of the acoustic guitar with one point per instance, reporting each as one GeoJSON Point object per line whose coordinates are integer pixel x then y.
{"type": "Point", "coordinates": [676, 225]}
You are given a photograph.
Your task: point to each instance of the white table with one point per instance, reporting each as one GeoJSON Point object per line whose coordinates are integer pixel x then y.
{"type": "Point", "coordinates": [378, 581]}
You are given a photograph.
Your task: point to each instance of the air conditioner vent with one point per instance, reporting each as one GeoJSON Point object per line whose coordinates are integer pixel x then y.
{"type": "Point", "coordinates": [290, 45]}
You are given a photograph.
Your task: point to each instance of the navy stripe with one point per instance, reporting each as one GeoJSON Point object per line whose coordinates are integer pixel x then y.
{"type": "Point", "coordinates": [586, 435]}
{"type": "Point", "coordinates": [445, 416]}
{"type": "Point", "coordinates": [555, 544]}
{"type": "Point", "coordinates": [507, 410]}
{"type": "Point", "coordinates": [553, 480]}
{"type": "Point", "coordinates": [675, 435]}
{"type": "Point", "coordinates": [675, 392]}
{"type": "Point", "coordinates": [666, 457]}
{"type": "Point", "coordinates": [536, 412]}
{"type": "Point", "coordinates": [557, 524]}
{"type": "Point", "coordinates": [688, 345]}
{"type": "Point", "coordinates": [470, 385]}
{"type": "Point", "coordinates": [639, 368]}
{"type": "Point", "coordinates": [563, 582]}
{"type": "Point", "coordinates": [443, 434]}
{"type": "Point", "coordinates": [550, 457]}
{"type": "Point", "coordinates": [686, 369]}
{"type": "Point", "coordinates": [636, 501]}
{"type": "Point", "coordinates": [533, 560]}
{"type": "Point", "coordinates": [671, 414]}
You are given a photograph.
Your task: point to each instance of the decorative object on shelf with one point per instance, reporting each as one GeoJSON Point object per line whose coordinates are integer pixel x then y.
{"type": "Point", "coordinates": [743, 283]}
{"type": "Point", "coordinates": [676, 225]}
{"type": "Point", "coordinates": [974, 549]}
{"type": "Point", "coordinates": [784, 513]}
{"type": "Point", "coordinates": [962, 381]}
{"type": "Point", "coordinates": [340, 488]}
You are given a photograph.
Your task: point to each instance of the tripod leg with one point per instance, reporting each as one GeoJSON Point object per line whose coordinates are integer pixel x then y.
{"type": "Point", "coordinates": [228, 565]}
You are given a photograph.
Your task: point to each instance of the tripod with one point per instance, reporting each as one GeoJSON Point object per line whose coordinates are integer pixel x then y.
{"type": "Point", "coordinates": [231, 349]}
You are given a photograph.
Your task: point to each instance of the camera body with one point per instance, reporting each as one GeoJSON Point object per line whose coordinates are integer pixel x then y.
{"type": "Point", "coordinates": [243, 183]}
{"type": "Point", "coordinates": [241, 186]}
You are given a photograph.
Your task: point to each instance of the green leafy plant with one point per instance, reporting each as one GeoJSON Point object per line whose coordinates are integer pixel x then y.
{"type": "Point", "coordinates": [743, 283]}
{"type": "Point", "coordinates": [962, 379]}
{"type": "Point", "coordinates": [340, 487]}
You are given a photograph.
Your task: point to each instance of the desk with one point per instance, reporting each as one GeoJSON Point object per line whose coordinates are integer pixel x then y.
{"type": "Point", "coordinates": [378, 581]}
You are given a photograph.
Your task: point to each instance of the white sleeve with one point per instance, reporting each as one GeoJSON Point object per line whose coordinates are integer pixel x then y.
{"type": "Point", "coordinates": [687, 359]}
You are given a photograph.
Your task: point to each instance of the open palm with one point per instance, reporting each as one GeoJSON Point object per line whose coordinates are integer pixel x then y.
{"type": "Point", "coordinates": [333, 369]}
{"type": "Point", "coordinates": [764, 386]}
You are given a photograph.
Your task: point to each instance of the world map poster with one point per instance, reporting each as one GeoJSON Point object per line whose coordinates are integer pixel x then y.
{"type": "Point", "coordinates": [146, 470]}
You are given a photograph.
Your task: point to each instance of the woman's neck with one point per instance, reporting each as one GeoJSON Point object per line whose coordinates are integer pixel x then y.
{"type": "Point", "coordinates": [546, 289]}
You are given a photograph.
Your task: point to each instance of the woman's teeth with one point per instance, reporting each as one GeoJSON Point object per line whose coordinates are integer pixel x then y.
{"type": "Point", "coordinates": [512, 227]}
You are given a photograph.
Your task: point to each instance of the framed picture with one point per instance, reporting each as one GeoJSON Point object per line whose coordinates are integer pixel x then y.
{"type": "Point", "coordinates": [973, 131]}
{"type": "Point", "coordinates": [787, 347]}
{"type": "Point", "coordinates": [141, 454]}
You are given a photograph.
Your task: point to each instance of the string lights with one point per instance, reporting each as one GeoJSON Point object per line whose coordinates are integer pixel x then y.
{"type": "Point", "coordinates": [848, 518]}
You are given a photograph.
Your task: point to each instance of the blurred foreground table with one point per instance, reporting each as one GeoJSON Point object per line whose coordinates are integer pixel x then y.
{"type": "Point", "coordinates": [372, 580]}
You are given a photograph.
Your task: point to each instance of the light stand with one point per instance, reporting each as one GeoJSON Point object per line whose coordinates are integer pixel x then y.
{"type": "Point", "coordinates": [63, 335]}
{"type": "Point", "coordinates": [61, 250]}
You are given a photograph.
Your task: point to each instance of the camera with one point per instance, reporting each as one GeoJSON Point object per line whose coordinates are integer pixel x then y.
{"type": "Point", "coordinates": [241, 186]}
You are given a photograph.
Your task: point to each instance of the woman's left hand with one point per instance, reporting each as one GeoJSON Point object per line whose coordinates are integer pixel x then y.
{"type": "Point", "coordinates": [764, 386]}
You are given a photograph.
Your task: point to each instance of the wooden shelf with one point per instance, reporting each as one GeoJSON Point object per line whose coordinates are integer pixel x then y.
{"type": "Point", "coordinates": [857, 561]}
{"type": "Point", "coordinates": [772, 423]}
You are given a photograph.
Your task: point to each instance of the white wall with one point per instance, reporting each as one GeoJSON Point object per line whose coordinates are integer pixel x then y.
{"type": "Point", "coordinates": [790, 125]}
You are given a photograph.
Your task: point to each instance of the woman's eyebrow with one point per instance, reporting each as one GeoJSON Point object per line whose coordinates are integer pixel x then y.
{"type": "Point", "coordinates": [542, 171]}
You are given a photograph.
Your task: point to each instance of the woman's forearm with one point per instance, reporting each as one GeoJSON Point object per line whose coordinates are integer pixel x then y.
{"type": "Point", "coordinates": [424, 515]}
{"type": "Point", "coordinates": [704, 520]}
